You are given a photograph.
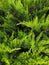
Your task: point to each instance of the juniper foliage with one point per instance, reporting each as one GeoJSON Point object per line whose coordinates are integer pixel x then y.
{"type": "Point", "coordinates": [24, 32]}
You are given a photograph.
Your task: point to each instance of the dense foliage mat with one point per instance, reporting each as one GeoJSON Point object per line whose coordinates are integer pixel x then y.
{"type": "Point", "coordinates": [24, 32]}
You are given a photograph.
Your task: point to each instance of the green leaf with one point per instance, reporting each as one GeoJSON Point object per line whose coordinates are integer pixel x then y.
{"type": "Point", "coordinates": [5, 49]}
{"type": "Point", "coordinates": [32, 24]}
{"type": "Point", "coordinates": [39, 36]}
